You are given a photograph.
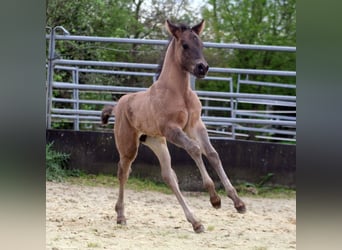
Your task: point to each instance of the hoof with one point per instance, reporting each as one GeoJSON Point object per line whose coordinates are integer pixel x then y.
{"type": "Point", "coordinates": [121, 221]}
{"type": "Point", "coordinates": [240, 207]}
{"type": "Point", "coordinates": [215, 201]}
{"type": "Point", "coordinates": [198, 228]}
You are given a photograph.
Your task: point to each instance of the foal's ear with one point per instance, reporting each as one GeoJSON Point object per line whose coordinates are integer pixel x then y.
{"type": "Point", "coordinates": [173, 29]}
{"type": "Point", "coordinates": [198, 28]}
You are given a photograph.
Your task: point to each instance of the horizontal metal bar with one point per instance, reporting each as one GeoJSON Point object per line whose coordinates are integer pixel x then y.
{"type": "Point", "coordinates": [275, 138]}
{"type": "Point", "coordinates": [270, 84]}
{"type": "Point", "coordinates": [103, 71]}
{"type": "Point", "coordinates": [106, 64]}
{"type": "Point", "coordinates": [216, 78]}
{"type": "Point", "coordinates": [267, 102]}
{"type": "Point", "coordinates": [250, 47]}
{"type": "Point", "coordinates": [110, 39]}
{"type": "Point", "coordinates": [228, 136]}
{"type": "Point", "coordinates": [227, 133]}
{"type": "Point", "coordinates": [76, 111]}
{"type": "Point", "coordinates": [84, 118]}
{"type": "Point", "coordinates": [245, 95]}
{"type": "Point", "coordinates": [219, 132]}
{"type": "Point", "coordinates": [249, 121]}
{"type": "Point", "coordinates": [265, 130]}
{"type": "Point", "coordinates": [154, 66]}
{"type": "Point", "coordinates": [258, 137]}
{"type": "Point", "coordinates": [165, 42]}
{"type": "Point", "coordinates": [65, 100]}
{"type": "Point", "coordinates": [64, 85]}
{"type": "Point", "coordinates": [267, 111]}
{"type": "Point", "coordinates": [282, 117]}
{"type": "Point", "coordinates": [252, 71]}
{"type": "Point", "coordinates": [205, 98]}
{"type": "Point", "coordinates": [216, 108]}
{"type": "Point", "coordinates": [218, 124]}
{"type": "Point", "coordinates": [200, 93]}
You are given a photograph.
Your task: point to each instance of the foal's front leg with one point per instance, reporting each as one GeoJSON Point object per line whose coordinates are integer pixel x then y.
{"type": "Point", "coordinates": [178, 137]}
{"type": "Point", "coordinates": [215, 162]}
{"type": "Point", "coordinates": [159, 147]}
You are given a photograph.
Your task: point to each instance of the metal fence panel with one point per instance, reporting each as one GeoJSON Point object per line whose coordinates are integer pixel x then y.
{"type": "Point", "coordinates": [224, 120]}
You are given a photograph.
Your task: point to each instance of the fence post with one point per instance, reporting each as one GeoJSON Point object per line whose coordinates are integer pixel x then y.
{"type": "Point", "coordinates": [51, 64]}
{"type": "Point", "coordinates": [232, 107]}
{"type": "Point", "coordinates": [75, 93]}
{"type": "Point", "coordinates": [193, 82]}
{"type": "Point", "coordinates": [50, 77]}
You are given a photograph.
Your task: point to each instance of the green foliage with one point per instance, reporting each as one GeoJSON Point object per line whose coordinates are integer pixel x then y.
{"type": "Point", "coordinates": [265, 179]}
{"type": "Point", "coordinates": [263, 22]}
{"type": "Point", "coordinates": [244, 21]}
{"type": "Point", "coordinates": [263, 189]}
{"type": "Point", "coordinates": [56, 163]}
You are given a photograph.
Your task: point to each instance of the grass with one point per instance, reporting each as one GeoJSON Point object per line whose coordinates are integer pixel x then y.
{"type": "Point", "coordinates": [265, 191]}
{"type": "Point", "coordinates": [138, 184]}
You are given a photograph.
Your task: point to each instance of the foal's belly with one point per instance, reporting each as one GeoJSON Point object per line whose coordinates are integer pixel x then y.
{"type": "Point", "coordinates": [152, 117]}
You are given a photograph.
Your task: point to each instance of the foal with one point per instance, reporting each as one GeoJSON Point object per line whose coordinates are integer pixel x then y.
{"type": "Point", "coordinates": [169, 111]}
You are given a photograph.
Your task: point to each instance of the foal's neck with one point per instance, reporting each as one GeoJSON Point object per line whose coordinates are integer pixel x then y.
{"type": "Point", "coordinates": [173, 76]}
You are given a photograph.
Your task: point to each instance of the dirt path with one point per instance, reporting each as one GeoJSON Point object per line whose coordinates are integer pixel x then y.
{"type": "Point", "coordinates": [82, 217]}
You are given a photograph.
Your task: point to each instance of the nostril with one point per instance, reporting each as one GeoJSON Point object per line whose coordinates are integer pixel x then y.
{"type": "Point", "coordinates": [206, 68]}
{"type": "Point", "coordinates": [201, 68]}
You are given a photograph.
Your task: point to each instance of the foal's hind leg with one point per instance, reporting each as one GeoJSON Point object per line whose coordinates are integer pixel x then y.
{"type": "Point", "coordinates": [127, 145]}
{"type": "Point", "coordinates": [159, 147]}
{"type": "Point", "coordinates": [124, 166]}
{"type": "Point", "coordinates": [215, 162]}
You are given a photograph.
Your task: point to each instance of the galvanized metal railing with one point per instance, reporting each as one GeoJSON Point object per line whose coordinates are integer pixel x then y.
{"type": "Point", "coordinates": [268, 124]}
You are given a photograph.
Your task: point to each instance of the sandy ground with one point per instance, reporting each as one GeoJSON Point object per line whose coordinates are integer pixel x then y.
{"type": "Point", "coordinates": [83, 217]}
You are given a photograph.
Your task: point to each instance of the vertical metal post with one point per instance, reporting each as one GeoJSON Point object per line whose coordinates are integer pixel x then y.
{"type": "Point", "coordinates": [192, 82]}
{"type": "Point", "coordinates": [75, 93]}
{"type": "Point", "coordinates": [206, 103]}
{"type": "Point", "coordinates": [232, 112]}
{"type": "Point", "coordinates": [50, 78]}
{"type": "Point", "coordinates": [51, 57]}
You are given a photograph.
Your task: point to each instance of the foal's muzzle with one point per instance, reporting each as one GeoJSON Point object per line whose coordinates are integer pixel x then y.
{"type": "Point", "coordinates": [201, 70]}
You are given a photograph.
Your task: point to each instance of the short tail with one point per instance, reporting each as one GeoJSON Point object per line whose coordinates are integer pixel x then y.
{"type": "Point", "coordinates": [107, 112]}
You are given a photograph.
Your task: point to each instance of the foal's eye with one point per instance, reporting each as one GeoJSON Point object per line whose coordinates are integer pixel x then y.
{"type": "Point", "coordinates": [185, 46]}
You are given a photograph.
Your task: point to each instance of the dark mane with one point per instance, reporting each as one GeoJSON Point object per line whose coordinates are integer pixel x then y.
{"type": "Point", "coordinates": [161, 61]}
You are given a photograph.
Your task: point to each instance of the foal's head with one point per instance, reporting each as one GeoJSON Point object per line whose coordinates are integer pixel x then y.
{"type": "Point", "coordinates": [188, 48]}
